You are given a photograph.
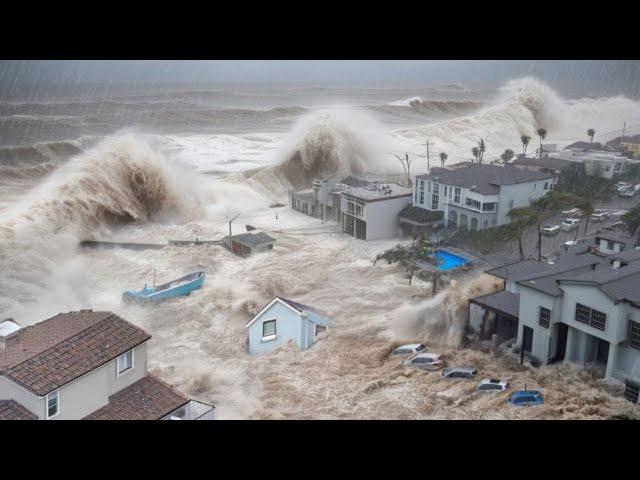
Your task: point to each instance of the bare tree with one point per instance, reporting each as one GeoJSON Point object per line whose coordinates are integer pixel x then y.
{"type": "Point", "coordinates": [406, 166]}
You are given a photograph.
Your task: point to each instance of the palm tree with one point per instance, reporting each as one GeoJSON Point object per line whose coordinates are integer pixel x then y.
{"type": "Point", "coordinates": [542, 133]}
{"type": "Point", "coordinates": [525, 142]}
{"type": "Point", "coordinates": [476, 154]}
{"type": "Point", "coordinates": [481, 149]}
{"type": "Point", "coordinates": [507, 155]}
{"type": "Point", "coordinates": [443, 158]}
{"type": "Point", "coordinates": [521, 219]}
{"type": "Point", "coordinates": [591, 132]}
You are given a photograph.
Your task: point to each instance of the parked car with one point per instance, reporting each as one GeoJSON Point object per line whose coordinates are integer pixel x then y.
{"type": "Point", "coordinates": [526, 397]}
{"type": "Point", "coordinates": [426, 361]}
{"type": "Point", "coordinates": [569, 224]}
{"type": "Point", "coordinates": [409, 349]}
{"type": "Point", "coordinates": [492, 385]}
{"type": "Point", "coordinates": [599, 216]}
{"type": "Point", "coordinates": [574, 212]}
{"type": "Point", "coordinates": [551, 229]}
{"type": "Point", "coordinates": [619, 225]}
{"type": "Point", "coordinates": [459, 372]}
{"type": "Point", "coordinates": [627, 193]}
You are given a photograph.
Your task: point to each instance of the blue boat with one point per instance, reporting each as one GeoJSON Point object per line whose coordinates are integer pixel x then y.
{"type": "Point", "coordinates": [181, 286]}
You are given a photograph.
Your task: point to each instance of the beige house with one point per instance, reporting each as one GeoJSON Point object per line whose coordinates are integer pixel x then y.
{"type": "Point", "coordinates": [85, 365]}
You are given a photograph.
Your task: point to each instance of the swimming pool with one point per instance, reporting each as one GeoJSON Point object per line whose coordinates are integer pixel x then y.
{"type": "Point", "coordinates": [449, 261]}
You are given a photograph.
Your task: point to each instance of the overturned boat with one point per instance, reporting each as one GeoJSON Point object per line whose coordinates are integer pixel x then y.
{"type": "Point", "coordinates": [176, 288]}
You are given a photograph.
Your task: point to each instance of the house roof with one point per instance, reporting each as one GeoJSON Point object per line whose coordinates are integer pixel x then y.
{"type": "Point", "coordinates": [545, 162]}
{"type": "Point", "coordinates": [147, 399]}
{"type": "Point", "coordinates": [502, 300]}
{"type": "Point", "coordinates": [584, 146]}
{"type": "Point", "coordinates": [253, 239]}
{"type": "Point", "coordinates": [618, 283]}
{"type": "Point", "coordinates": [12, 410]}
{"type": "Point", "coordinates": [50, 354]}
{"type": "Point", "coordinates": [485, 179]}
{"type": "Point", "coordinates": [379, 191]}
{"type": "Point", "coordinates": [298, 307]}
{"type": "Point", "coordinates": [420, 215]}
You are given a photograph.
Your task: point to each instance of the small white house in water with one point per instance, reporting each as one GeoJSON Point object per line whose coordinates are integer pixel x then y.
{"type": "Point", "coordinates": [282, 320]}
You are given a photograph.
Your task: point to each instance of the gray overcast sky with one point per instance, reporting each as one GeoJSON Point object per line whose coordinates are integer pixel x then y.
{"type": "Point", "coordinates": [578, 77]}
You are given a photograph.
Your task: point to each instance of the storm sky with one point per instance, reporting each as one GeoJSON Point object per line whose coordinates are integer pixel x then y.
{"type": "Point", "coordinates": [585, 78]}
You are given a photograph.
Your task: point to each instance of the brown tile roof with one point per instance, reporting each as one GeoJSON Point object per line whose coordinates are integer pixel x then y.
{"type": "Point", "coordinates": [12, 410]}
{"type": "Point", "coordinates": [54, 352]}
{"type": "Point", "coordinates": [147, 399]}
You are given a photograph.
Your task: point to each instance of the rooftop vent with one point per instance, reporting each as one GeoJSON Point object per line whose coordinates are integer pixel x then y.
{"type": "Point", "coordinates": [9, 331]}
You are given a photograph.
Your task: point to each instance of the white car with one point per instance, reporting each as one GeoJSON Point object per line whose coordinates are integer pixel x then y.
{"type": "Point", "coordinates": [551, 229]}
{"type": "Point", "coordinates": [569, 224]}
{"type": "Point", "coordinates": [425, 361]}
{"type": "Point", "coordinates": [410, 349]}
{"type": "Point", "coordinates": [599, 216]}
{"type": "Point", "coordinates": [492, 385]}
{"type": "Point", "coordinates": [574, 212]}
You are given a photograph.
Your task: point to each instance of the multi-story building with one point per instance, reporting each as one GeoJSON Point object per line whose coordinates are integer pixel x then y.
{"type": "Point", "coordinates": [85, 365]}
{"type": "Point", "coordinates": [323, 199]}
{"type": "Point", "coordinates": [371, 213]}
{"type": "Point", "coordinates": [479, 196]}
{"type": "Point", "coordinates": [596, 162]}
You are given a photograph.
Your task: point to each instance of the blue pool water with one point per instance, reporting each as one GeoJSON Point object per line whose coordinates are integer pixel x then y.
{"type": "Point", "coordinates": [448, 260]}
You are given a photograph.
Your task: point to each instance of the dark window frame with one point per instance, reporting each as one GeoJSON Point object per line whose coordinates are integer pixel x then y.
{"type": "Point", "coordinates": [590, 316]}
{"type": "Point", "coordinates": [544, 317]}
{"type": "Point", "coordinates": [264, 324]}
{"type": "Point", "coordinates": [634, 334]}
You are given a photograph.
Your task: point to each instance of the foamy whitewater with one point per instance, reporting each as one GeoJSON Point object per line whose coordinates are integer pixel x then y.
{"type": "Point", "coordinates": [148, 168]}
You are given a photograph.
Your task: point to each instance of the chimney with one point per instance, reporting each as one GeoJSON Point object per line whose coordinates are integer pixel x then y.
{"type": "Point", "coordinates": [9, 333]}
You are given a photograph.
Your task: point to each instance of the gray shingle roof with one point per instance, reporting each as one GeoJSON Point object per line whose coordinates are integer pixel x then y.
{"type": "Point", "coordinates": [300, 306]}
{"type": "Point", "coordinates": [485, 179]}
{"type": "Point", "coordinates": [545, 162]}
{"type": "Point", "coordinates": [253, 239]}
{"type": "Point", "coordinates": [502, 300]}
{"type": "Point", "coordinates": [420, 215]}
{"type": "Point", "coordinates": [618, 283]}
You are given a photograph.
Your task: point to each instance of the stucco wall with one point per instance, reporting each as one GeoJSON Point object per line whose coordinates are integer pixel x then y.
{"type": "Point", "coordinates": [382, 217]}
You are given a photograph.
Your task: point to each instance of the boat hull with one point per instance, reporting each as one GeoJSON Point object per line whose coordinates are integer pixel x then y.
{"type": "Point", "coordinates": [177, 288]}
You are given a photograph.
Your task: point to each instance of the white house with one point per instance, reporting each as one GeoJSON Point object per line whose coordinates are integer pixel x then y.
{"type": "Point", "coordinates": [596, 162]}
{"type": "Point", "coordinates": [476, 197]}
{"type": "Point", "coordinates": [282, 320]}
{"type": "Point", "coordinates": [371, 212]}
{"type": "Point", "coordinates": [85, 365]}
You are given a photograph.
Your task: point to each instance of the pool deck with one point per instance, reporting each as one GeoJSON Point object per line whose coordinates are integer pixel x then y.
{"type": "Point", "coordinates": [472, 259]}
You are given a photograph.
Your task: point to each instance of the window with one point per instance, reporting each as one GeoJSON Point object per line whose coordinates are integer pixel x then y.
{"type": "Point", "coordinates": [422, 193]}
{"type": "Point", "coordinates": [419, 347]}
{"type": "Point", "coordinates": [445, 191]}
{"type": "Point", "coordinates": [456, 195]}
{"type": "Point", "coordinates": [591, 316]}
{"type": "Point", "coordinates": [634, 335]}
{"type": "Point", "coordinates": [582, 313]}
{"type": "Point", "coordinates": [488, 207]}
{"type": "Point", "coordinates": [544, 317]}
{"type": "Point", "coordinates": [472, 203]}
{"type": "Point", "coordinates": [631, 390]}
{"type": "Point", "coordinates": [320, 329]}
{"type": "Point", "coordinates": [610, 244]}
{"type": "Point", "coordinates": [53, 404]}
{"type": "Point", "coordinates": [510, 204]}
{"type": "Point", "coordinates": [546, 185]}
{"type": "Point", "coordinates": [434, 201]}
{"type": "Point", "coordinates": [269, 329]}
{"type": "Point", "coordinates": [125, 362]}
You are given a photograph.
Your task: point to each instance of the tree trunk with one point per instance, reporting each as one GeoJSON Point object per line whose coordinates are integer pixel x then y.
{"type": "Point", "coordinates": [520, 247]}
{"type": "Point", "coordinates": [586, 225]}
{"type": "Point", "coordinates": [539, 244]}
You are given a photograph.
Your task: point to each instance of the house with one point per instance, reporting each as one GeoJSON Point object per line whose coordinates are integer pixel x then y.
{"type": "Point", "coordinates": [596, 162]}
{"type": "Point", "coordinates": [479, 196]}
{"type": "Point", "coordinates": [610, 242]}
{"type": "Point", "coordinates": [85, 365]}
{"type": "Point", "coordinates": [371, 212]}
{"type": "Point", "coordinates": [582, 307]}
{"type": "Point", "coordinates": [586, 317]}
{"type": "Point", "coordinates": [246, 244]}
{"type": "Point", "coordinates": [282, 320]}
{"type": "Point", "coordinates": [544, 164]}
{"type": "Point", "coordinates": [323, 199]}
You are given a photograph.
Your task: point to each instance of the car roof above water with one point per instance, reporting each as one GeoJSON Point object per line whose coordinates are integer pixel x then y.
{"type": "Point", "coordinates": [409, 345]}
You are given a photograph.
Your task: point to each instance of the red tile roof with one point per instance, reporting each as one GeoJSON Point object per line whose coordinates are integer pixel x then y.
{"type": "Point", "coordinates": [50, 354]}
{"type": "Point", "coordinates": [12, 410]}
{"type": "Point", "coordinates": [147, 399]}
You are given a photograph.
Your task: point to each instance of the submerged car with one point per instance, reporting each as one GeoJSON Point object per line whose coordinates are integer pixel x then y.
{"type": "Point", "coordinates": [459, 372]}
{"type": "Point", "coordinates": [408, 349]}
{"type": "Point", "coordinates": [492, 385]}
{"type": "Point", "coordinates": [551, 229]}
{"type": "Point", "coordinates": [523, 398]}
{"type": "Point", "coordinates": [574, 212]}
{"type": "Point", "coordinates": [425, 361]}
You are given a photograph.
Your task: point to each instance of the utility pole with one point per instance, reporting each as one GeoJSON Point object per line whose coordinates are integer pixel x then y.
{"type": "Point", "coordinates": [624, 128]}
{"type": "Point", "coordinates": [230, 242]}
{"type": "Point", "coordinates": [428, 166]}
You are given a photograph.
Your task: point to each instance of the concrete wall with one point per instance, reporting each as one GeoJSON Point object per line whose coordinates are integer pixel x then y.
{"type": "Point", "coordinates": [85, 394]}
{"type": "Point", "coordinates": [382, 217]}
{"type": "Point", "coordinates": [543, 345]}
{"type": "Point", "coordinates": [520, 195]}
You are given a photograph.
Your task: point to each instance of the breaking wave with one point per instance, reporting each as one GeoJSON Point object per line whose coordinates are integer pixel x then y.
{"type": "Point", "coordinates": [324, 143]}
